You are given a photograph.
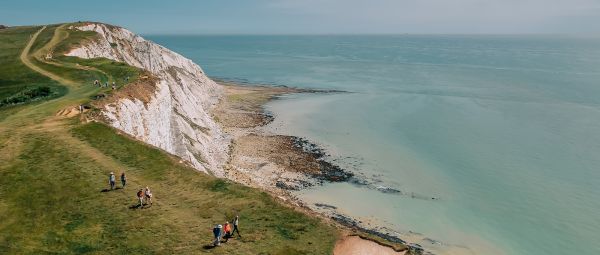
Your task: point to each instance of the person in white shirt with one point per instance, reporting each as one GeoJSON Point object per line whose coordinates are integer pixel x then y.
{"type": "Point", "coordinates": [148, 194]}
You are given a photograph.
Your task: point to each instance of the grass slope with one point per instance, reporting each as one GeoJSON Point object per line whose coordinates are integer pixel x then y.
{"type": "Point", "coordinates": [15, 78]}
{"type": "Point", "coordinates": [53, 169]}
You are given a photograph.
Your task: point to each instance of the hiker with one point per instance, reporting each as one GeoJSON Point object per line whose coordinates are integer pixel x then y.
{"type": "Point", "coordinates": [148, 194]}
{"type": "Point", "coordinates": [227, 230]}
{"type": "Point", "coordinates": [140, 196]}
{"type": "Point", "coordinates": [97, 83]}
{"type": "Point", "coordinates": [235, 222]}
{"type": "Point", "coordinates": [123, 179]}
{"type": "Point", "coordinates": [111, 180]}
{"type": "Point", "coordinates": [217, 234]}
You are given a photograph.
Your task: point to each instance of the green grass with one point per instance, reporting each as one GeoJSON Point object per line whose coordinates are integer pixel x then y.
{"type": "Point", "coordinates": [15, 78]}
{"type": "Point", "coordinates": [52, 172]}
{"type": "Point", "coordinates": [53, 203]}
{"type": "Point", "coordinates": [117, 71]}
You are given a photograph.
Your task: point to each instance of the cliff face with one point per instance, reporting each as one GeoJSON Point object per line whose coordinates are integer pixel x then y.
{"type": "Point", "coordinates": [176, 117]}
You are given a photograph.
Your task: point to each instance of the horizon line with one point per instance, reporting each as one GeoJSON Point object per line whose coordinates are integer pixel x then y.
{"type": "Point", "coordinates": [564, 34]}
{"type": "Point", "coordinates": [351, 34]}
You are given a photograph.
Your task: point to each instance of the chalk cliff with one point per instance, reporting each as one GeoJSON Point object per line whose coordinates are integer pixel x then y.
{"type": "Point", "coordinates": [176, 118]}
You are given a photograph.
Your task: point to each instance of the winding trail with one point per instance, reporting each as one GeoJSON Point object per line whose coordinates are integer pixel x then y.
{"type": "Point", "coordinates": [57, 126]}
{"type": "Point", "coordinates": [27, 61]}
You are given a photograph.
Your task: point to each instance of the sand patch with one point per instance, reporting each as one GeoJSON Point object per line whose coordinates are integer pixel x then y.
{"type": "Point", "coordinates": [355, 245]}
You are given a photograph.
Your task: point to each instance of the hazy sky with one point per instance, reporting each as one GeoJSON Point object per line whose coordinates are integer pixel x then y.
{"type": "Point", "coordinates": [316, 16]}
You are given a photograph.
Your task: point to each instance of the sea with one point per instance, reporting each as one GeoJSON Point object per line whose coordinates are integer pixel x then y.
{"type": "Point", "coordinates": [464, 144]}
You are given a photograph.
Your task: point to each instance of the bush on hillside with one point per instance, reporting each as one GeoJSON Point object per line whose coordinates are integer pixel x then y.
{"type": "Point", "coordinates": [27, 95]}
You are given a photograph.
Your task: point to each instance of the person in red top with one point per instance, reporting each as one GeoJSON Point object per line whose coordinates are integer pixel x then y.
{"type": "Point", "coordinates": [227, 230]}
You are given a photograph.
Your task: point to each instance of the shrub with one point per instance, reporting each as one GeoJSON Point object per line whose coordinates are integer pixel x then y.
{"type": "Point", "coordinates": [27, 95]}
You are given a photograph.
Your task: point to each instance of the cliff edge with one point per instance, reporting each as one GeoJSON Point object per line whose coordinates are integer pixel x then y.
{"type": "Point", "coordinates": [176, 116]}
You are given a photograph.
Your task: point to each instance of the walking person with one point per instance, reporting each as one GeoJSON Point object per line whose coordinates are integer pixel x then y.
{"type": "Point", "coordinates": [148, 195]}
{"type": "Point", "coordinates": [236, 222]}
{"type": "Point", "coordinates": [140, 196]}
{"type": "Point", "coordinates": [123, 179]}
{"type": "Point", "coordinates": [227, 231]}
{"type": "Point", "coordinates": [217, 234]}
{"type": "Point", "coordinates": [111, 180]}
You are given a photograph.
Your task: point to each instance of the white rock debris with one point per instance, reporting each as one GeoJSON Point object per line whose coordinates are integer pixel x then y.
{"type": "Point", "coordinates": [176, 119]}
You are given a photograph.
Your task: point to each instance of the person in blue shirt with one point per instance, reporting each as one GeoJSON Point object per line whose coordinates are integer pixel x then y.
{"type": "Point", "coordinates": [217, 233]}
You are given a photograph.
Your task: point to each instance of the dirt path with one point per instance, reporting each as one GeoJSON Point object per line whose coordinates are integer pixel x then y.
{"type": "Point", "coordinates": [57, 125]}
{"type": "Point", "coordinates": [27, 61]}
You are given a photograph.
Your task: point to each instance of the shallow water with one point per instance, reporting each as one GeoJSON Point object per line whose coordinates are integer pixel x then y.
{"type": "Point", "coordinates": [503, 131]}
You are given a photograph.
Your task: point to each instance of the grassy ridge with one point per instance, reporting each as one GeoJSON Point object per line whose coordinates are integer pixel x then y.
{"type": "Point", "coordinates": [53, 169]}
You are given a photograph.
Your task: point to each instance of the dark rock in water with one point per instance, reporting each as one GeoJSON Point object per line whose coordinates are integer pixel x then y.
{"type": "Point", "coordinates": [328, 171]}
{"type": "Point", "coordinates": [415, 248]}
{"type": "Point", "coordinates": [432, 241]}
{"type": "Point", "coordinates": [358, 182]}
{"type": "Point", "coordinates": [267, 118]}
{"type": "Point", "coordinates": [3, 26]}
{"type": "Point", "coordinates": [325, 206]}
{"type": "Point", "coordinates": [308, 147]}
{"type": "Point", "coordinates": [333, 173]}
{"type": "Point", "coordinates": [388, 190]}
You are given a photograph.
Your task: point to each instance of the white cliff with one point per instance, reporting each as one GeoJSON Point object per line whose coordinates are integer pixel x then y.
{"type": "Point", "coordinates": [176, 117]}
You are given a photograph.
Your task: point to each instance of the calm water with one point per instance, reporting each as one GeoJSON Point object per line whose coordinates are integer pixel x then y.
{"type": "Point", "coordinates": [503, 130]}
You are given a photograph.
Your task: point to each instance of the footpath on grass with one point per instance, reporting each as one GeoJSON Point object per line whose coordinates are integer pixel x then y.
{"type": "Point", "coordinates": [54, 167]}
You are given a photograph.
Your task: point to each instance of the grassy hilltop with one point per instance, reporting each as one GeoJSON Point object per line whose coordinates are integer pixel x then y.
{"type": "Point", "coordinates": [53, 168]}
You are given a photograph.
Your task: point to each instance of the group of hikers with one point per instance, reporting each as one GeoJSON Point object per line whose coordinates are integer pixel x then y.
{"type": "Point", "coordinates": [220, 232]}
{"type": "Point", "coordinates": [105, 85]}
{"type": "Point", "coordinates": [226, 231]}
{"type": "Point", "coordinates": [142, 194]}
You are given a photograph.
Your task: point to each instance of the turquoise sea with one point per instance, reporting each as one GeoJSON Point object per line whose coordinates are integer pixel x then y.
{"type": "Point", "coordinates": [504, 131]}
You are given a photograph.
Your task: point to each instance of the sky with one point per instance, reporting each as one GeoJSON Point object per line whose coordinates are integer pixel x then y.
{"type": "Point", "coordinates": [317, 16]}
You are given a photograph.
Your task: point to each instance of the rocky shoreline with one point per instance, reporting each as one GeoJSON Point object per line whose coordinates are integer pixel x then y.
{"type": "Point", "coordinates": [281, 164]}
